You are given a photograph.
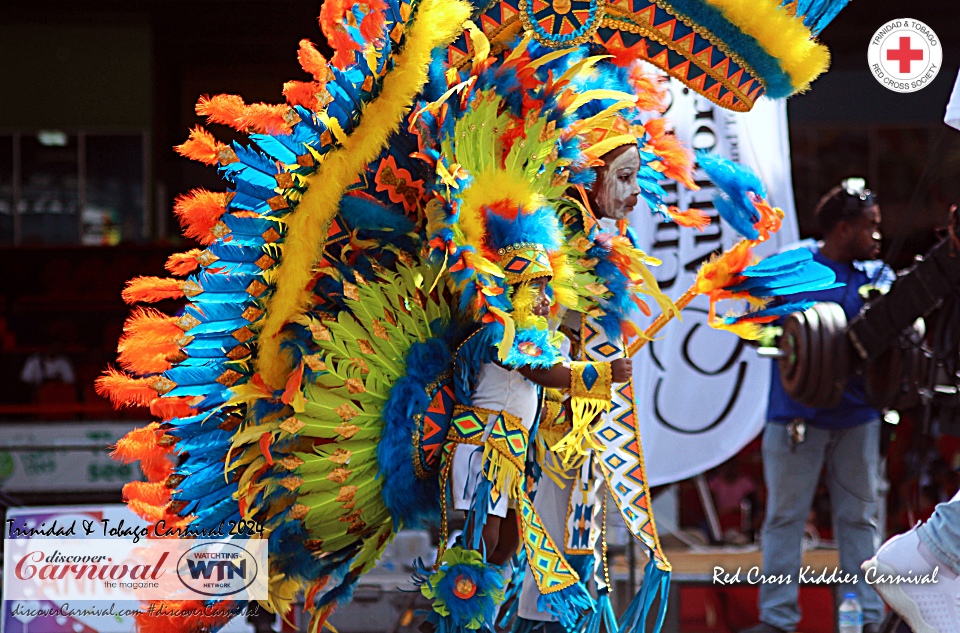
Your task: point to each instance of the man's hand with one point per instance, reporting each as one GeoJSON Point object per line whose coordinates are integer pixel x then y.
{"type": "Point", "coordinates": [621, 369]}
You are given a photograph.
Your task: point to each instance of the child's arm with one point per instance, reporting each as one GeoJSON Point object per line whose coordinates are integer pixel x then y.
{"type": "Point", "coordinates": [558, 376]}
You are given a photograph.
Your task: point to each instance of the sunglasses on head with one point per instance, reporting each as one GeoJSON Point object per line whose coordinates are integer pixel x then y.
{"type": "Point", "coordinates": [858, 196]}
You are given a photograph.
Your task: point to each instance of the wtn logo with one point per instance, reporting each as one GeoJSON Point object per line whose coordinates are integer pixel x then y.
{"type": "Point", "coordinates": [224, 569]}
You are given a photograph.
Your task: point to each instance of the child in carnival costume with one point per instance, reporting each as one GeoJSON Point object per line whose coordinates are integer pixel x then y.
{"type": "Point", "coordinates": [495, 229]}
{"type": "Point", "coordinates": [610, 284]}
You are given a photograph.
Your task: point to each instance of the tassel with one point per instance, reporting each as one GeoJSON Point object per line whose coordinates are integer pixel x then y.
{"type": "Point", "coordinates": [656, 582]}
{"type": "Point", "coordinates": [183, 264]}
{"type": "Point", "coordinates": [202, 147]}
{"type": "Point", "coordinates": [222, 109]}
{"type": "Point", "coordinates": [605, 608]}
{"type": "Point", "coordinates": [152, 289]}
{"type": "Point", "coordinates": [477, 515]}
{"type": "Point", "coordinates": [199, 211]}
{"type": "Point", "coordinates": [568, 605]}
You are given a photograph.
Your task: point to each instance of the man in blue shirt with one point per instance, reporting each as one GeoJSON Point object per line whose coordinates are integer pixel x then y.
{"type": "Point", "coordinates": [799, 441]}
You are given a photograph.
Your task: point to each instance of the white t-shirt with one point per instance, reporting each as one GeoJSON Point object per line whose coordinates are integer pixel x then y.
{"type": "Point", "coordinates": [498, 389]}
{"type": "Point", "coordinates": [952, 117]}
{"type": "Point", "coordinates": [39, 369]}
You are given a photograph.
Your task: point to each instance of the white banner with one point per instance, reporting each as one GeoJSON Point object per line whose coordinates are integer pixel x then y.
{"type": "Point", "coordinates": [701, 393]}
{"type": "Point", "coordinates": [63, 457]}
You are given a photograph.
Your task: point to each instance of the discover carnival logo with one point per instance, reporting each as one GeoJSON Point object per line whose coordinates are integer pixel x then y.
{"type": "Point", "coordinates": [118, 569]}
{"type": "Point", "coordinates": [905, 55]}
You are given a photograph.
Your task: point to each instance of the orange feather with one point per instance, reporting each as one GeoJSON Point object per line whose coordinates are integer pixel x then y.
{"type": "Point", "coordinates": [142, 354]}
{"type": "Point", "coordinates": [222, 109]}
{"type": "Point", "coordinates": [153, 323]}
{"type": "Point", "coordinates": [651, 92]}
{"type": "Point", "coordinates": [302, 93]}
{"type": "Point", "coordinates": [691, 218]}
{"type": "Point", "coordinates": [199, 211]}
{"type": "Point", "coordinates": [169, 408]}
{"type": "Point", "coordinates": [152, 289]}
{"type": "Point", "coordinates": [183, 263]}
{"type": "Point", "coordinates": [150, 493]}
{"type": "Point", "coordinates": [201, 146]}
{"type": "Point", "coordinates": [137, 443]}
{"type": "Point", "coordinates": [313, 62]}
{"type": "Point", "coordinates": [124, 390]}
{"type": "Point", "coordinates": [270, 119]}
{"type": "Point", "coordinates": [677, 159]}
{"type": "Point", "coordinates": [141, 445]}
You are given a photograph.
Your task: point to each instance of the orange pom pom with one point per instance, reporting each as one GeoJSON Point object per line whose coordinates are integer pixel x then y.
{"type": "Point", "coordinates": [199, 211]}
{"type": "Point", "coordinates": [202, 147]}
{"type": "Point", "coordinates": [152, 289]}
{"type": "Point", "coordinates": [223, 109]}
{"type": "Point", "coordinates": [183, 263]}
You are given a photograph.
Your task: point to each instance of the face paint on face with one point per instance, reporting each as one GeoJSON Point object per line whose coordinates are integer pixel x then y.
{"type": "Point", "coordinates": [616, 188]}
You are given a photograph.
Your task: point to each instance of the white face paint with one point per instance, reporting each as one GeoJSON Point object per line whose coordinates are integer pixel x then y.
{"type": "Point", "coordinates": [617, 187]}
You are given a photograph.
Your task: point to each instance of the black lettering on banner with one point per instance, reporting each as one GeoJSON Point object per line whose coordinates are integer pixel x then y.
{"type": "Point", "coordinates": [734, 396]}
{"type": "Point", "coordinates": [688, 359]}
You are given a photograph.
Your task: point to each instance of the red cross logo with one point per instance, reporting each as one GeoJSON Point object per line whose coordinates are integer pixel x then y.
{"type": "Point", "coordinates": [905, 54]}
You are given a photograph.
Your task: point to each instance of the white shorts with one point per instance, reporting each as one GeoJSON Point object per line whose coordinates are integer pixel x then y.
{"type": "Point", "coordinates": [466, 475]}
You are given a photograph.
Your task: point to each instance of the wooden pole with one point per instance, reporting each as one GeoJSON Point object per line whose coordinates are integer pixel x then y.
{"type": "Point", "coordinates": [664, 318]}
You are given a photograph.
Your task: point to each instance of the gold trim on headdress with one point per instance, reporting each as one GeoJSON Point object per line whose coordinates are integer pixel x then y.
{"type": "Point", "coordinates": [523, 262]}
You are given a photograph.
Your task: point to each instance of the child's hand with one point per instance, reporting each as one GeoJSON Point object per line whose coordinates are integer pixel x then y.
{"type": "Point", "coordinates": [621, 369]}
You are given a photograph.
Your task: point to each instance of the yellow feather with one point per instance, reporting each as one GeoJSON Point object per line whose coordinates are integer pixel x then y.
{"type": "Point", "coordinates": [438, 22]}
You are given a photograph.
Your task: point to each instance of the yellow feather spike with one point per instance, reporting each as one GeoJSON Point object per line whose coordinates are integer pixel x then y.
{"type": "Point", "coordinates": [438, 22]}
{"type": "Point", "coordinates": [581, 66]}
{"type": "Point", "coordinates": [481, 45]}
{"type": "Point", "coordinates": [589, 95]}
{"type": "Point", "coordinates": [546, 59]}
{"type": "Point", "coordinates": [521, 47]}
